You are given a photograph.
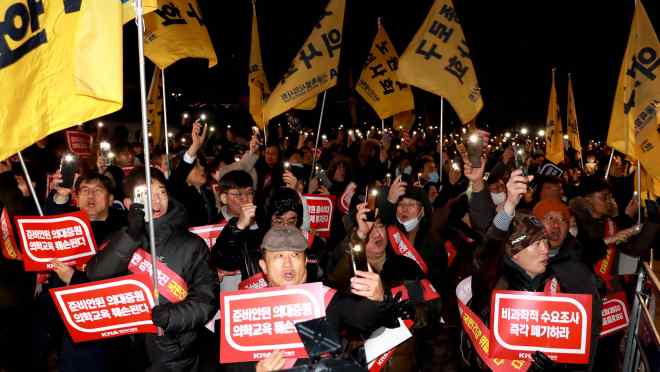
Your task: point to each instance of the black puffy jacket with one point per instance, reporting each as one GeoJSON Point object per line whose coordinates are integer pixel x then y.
{"type": "Point", "coordinates": [185, 254]}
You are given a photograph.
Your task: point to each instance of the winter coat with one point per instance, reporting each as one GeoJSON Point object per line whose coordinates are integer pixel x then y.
{"type": "Point", "coordinates": [185, 254]}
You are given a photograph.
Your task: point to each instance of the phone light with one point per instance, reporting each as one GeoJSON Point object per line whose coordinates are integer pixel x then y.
{"type": "Point", "coordinates": [104, 145]}
{"type": "Point", "coordinates": [541, 133]}
{"type": "Point", "coordinates": [100, 124]}
{"type": "Point", "coordinates": [524, 131]}
{"type": "Point", "coordinates": [212, 129]}
{"type": "Point", "coordinates": [473, 138]}
{"type": "Point", "coordinates": [202, 116]}
{"type": "Point", "coordinates": [68, 158]}
{"type": "Point", "coordinates": [374, 192]}
{"type": "Point", "coordinates": [565, 136]}
{"type": "Point", "coordinates": [185, 115]}
{"type": "Point", "coordinates": [111, 155]}
{"type": "Point", "coordinates": [507, 134]}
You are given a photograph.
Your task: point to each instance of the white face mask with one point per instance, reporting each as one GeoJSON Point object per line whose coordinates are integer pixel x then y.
{"type": "Point", "coordinates": [498, 197]}
{"type": "Point", "coordinates": [407, 170]}
{"type": "Point", "coordinates": [573, 230]}
{"type": "Point", "coordinates": [412, 223]}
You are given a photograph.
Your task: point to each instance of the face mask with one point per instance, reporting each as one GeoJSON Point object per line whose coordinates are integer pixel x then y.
{"type": "Point", "coordinates": [498, 197]}
{"type": "Point", "coordinates": [411, 224]}
{"type": "Point", "coordinates": [573, 231]}
{"type": "Point", "coordinates": [433, 177]}
{"type": "Point", "coordinates": [407, 170]}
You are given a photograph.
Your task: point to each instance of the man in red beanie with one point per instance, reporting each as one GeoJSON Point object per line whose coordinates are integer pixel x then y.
{"type": "Point", "coordinates": [555, 216]}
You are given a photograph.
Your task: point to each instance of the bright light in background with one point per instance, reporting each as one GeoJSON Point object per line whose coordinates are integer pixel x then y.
{"type": "Point", "coordinates": [185, 115]}
{"type": "Point", "coordinates": [473, 138]}
{"type": "Point", "coordinates": [541, 133]}
{"type": "Point", "coordinates": [100, 124]}
{"type": "Point", "coordinates": [68, 158]}
{"type": "Point", "coordinates": [524, 131]}
{"type": "Point", "coordinates": [202, 116]}
{"type": "Point", "coordinates": [104, 145]}
{"type": "Point", "coordinates": [507, 134]}
{"type": "Point", "coordinates": [565, 136]}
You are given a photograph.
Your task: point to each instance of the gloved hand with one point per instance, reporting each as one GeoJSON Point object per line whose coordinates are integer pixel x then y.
{"type": "Point", "coordinates": [135, 219]}
{"type": "Point", "coordinates": [541, 363]}
{"type": "Point", "coordinates": [395, 309]}
{"type": "Point", "coordinates": [160, 315]}
{"type": "Point", "coordinates": [653, 210]}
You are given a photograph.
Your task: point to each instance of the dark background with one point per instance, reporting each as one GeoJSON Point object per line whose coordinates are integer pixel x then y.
{"type": "Point", "coordinates": [513, 44]}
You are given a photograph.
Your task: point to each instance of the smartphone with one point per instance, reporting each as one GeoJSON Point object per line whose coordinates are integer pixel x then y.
{"type": "Point", "coordinates": [202, 118]}
{"type": "Point", "coordinates": [68, 167]}
{"type": "Point", "coordinates": [405, 177]}
{"type": "Point", "coordinates": [359, 258]}
{"type": "Point", "coordinates": [323, 178]}
{"type": "Point", "coordinates": [474, 148]}
{"type": "Point", "coordinates": [520, 158]}
{"type": "Point", "coordinates": [371, 204]}
{"type": "Point", "coordinates": [140, 197]}
{"type": "Point", "coordinates": [287, 166]}
{"type": "Point", "coordinates": [388, 179]}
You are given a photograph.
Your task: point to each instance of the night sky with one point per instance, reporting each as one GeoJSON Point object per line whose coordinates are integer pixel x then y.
{"type": "Point", "coordinates": [513, 44]}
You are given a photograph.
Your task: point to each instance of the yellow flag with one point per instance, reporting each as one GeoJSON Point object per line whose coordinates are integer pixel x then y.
{"type": "Point", "coordinates": [155, 106]}
{"type": "Point", "coordinates": [60, 65]}
{"type": "Point", "coordinates": [554, 138]}
{"type": "Point", "coordinates": [315, 67]}
{"type": "Point", "coordinates": [572, 125]}
{"type": "Point", "coordinates": [257, 82]}
{"type": "Point", "coordinates": [403, 120]}
{"type": "Point", "coordinates": [175, 31]}
{"type": "Point", "coordinates": [378, 84]}
{"type": "Point", "coordinates": [438, 60]}
{"type": "Point", "coordinates": [128, 8]}
{"type": "Point", "coordinates": [309, 104]}
{"type": "Point", "coordinates": [650, 185]}
{"type": "Point", "coordinates": [632, 130]}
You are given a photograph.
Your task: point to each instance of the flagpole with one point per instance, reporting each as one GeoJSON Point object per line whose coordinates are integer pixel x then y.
{"type": "Point", "coordinates": [167, 145]}
{"type": "Point", "coordinates": [145, 143]}
{"type": "Point", "coordinates": [609, 164]}
{"type": "Point", "coordinates": [442, 125]}
{"type": "Point", "coordinates": [382, 125]}
{"type": "Point", "coordinates": [639, 193]}
{"type": "Point", "coordinates": [318, 132]}
{"type": "Point", "coordinates": [28, 180]}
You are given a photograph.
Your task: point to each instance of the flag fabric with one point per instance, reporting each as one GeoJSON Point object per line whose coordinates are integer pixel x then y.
{"type": "Point", "coordinates": [175, 31]}
{"type": "Point", "coordinates": [650, 185]}
{"type": "Point", "coordinates": [155, 106]}
{"type": "Point", "coordinates": [438, 60]}
{"type": "Point", "coordinates": [128, 8]}
{"type": "Point", "coordinates": [257, 81]}
{"type": "Point", "coordinates": [554, 138]}
{"type": "Point", "coordinates": [64, 69]}
{"type": "Point", "coordinates": [572, 125]}
{"type": "Point", "coordinates": [378, 84]}
{"type": "Point", "coordinates": [403, 120]}
{"type": "Point", "coordinates": [309, 104]}
{"type": "Point", "coordinates": [315, 67]}
{"type": "Point", "coordinates": [632, 124]}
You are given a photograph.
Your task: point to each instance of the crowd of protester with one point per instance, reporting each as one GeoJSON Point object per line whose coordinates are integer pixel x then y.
{"type": "Point", "coordinates": [499, 222]}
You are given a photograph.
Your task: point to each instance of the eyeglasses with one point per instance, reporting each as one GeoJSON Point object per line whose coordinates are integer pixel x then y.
{"type": "Point", "coordinates": [551, 220]}
{"type": "Point", "coordinates": [241, 194]}
{"type": "Point", "coordinates": [278, 221]}
{"type": "Point", "coordinates": [409, 205]}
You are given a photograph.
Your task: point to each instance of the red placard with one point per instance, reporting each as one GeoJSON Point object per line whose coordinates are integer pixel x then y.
{"type": "Point", "coordinates": [209, 233]}
{"type": "Point", "coordinates": [66, 237]}
{"type": "Point", "coordinates": [615, 313]}
{"type": "Point", "coordinates": [9, 248]}
{"type": "Point", "coordinates": [320, 213]}
{"type": "Point", "coordinates": [79, 143]}
{"type": "Point", "coordinates": [524, 322]}
{"type": "Point", "coordinates": [255, 322]}
{"type": "Point", "coordinates": [107, 308]}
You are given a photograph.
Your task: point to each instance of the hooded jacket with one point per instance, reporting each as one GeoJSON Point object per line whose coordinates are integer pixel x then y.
{"type": "Point", "coordinates": [185, 254]}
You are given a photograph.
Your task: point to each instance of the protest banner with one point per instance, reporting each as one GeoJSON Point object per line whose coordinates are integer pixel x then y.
{"type": "Point", "coordinates": [209, 233]}
{"type": "Point", "coordinates": [79, 143]}
{"type": "Point", "coordinates": [256, 322]}
{"type": "Point", "coordinates": [557, 325]}
{"type": "Point", "coordinates": [256, 281]}
{"type": "Point", "coordinates": [106, 308]}
{"type": "Point", "coordinates": [615, 313]}
{"type": "Point", "coordinates": [320, 213]}
{"type": "Point", "coordinates": [65, 237]}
